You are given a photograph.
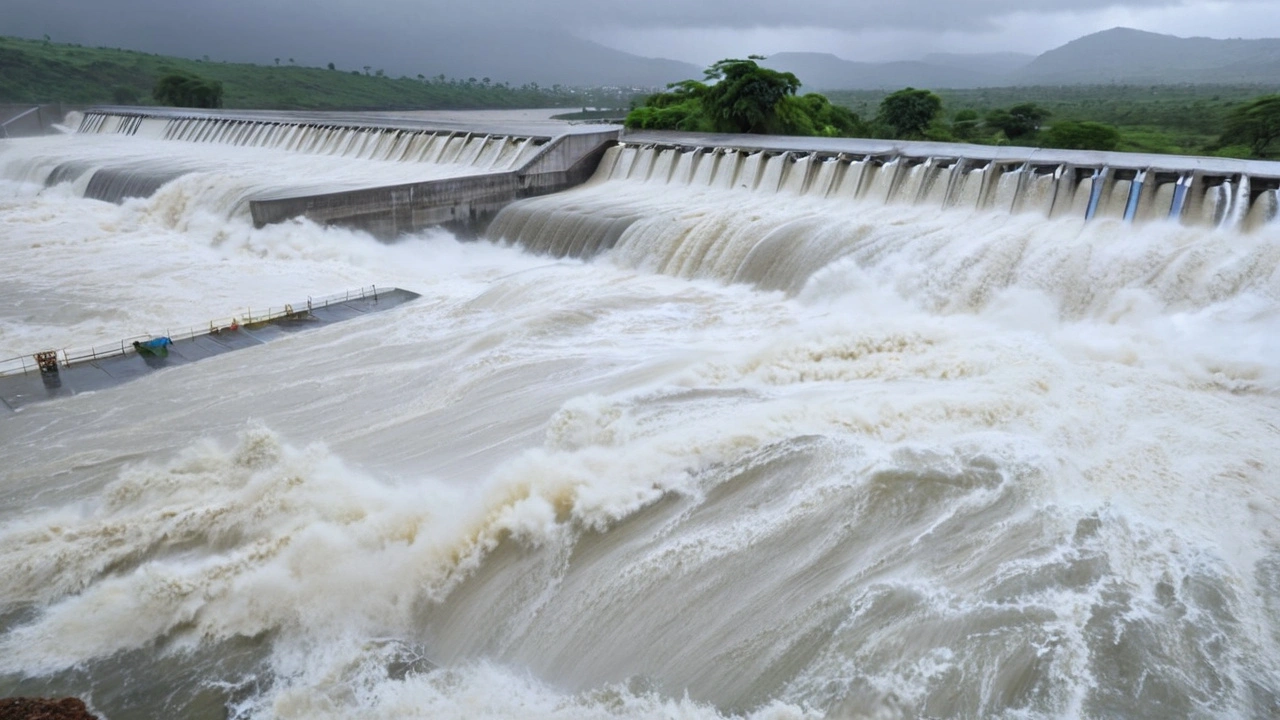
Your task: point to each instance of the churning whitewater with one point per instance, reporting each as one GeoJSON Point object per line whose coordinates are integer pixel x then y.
{"type": "Point", "coordinates": [648, 451]}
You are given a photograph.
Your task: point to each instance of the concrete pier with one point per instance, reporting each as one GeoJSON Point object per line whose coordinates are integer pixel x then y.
{"type": "Point", "coordinates": [554, 156]}
{"type": "Point", "coordinates": [464, 205]}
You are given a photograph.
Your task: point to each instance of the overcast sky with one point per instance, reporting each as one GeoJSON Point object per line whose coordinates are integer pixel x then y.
{"type": "Point", "coordinates": [696, 31]}
{"type": "Point", "coordinates": [906, 29]}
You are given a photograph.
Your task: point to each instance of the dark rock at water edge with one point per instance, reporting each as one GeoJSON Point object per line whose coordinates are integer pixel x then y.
{"type": "Point", "coordinates": [44, 709]}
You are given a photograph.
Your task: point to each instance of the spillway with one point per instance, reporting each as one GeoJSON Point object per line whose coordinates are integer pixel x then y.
{"type": "Point", "coordinates": [737, 428]}
{"type": "Point", "coordinates": [774, 218]}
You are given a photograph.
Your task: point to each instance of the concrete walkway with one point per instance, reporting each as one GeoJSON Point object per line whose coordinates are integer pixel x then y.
{"type": "Point", "coordinates": [22, 389]}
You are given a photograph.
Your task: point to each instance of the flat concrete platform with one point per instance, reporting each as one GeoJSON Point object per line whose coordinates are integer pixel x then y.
{"type": "Point", "coordinates": [18, 390]}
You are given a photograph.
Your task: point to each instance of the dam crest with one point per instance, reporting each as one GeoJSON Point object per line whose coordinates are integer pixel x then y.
{"type": "Point", "coordinates": [498, 165]}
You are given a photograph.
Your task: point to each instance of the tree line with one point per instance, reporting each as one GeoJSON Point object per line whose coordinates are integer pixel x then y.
{"type": "Point", "coordinates": [741, 96]}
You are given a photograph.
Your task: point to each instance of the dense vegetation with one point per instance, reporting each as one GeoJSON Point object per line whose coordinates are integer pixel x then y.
{"type": "Point", "coordinates": [34, 71]}
{"type": "Point", "coordinates": [188, 91]}
{"type": "Point", "coordinates": [744, 98]}
{"type": "Point", "coordinates": [1231, 121]}
{"type": "Point", "coordinates": [1180, 119]}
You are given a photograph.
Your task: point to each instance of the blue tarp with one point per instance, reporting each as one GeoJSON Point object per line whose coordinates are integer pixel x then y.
{"type": "Point", "coordinates": [158, 347]}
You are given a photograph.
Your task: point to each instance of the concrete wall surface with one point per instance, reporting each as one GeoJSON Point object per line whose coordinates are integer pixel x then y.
{"type": "Point", "coordinates": [920, 149]}
{"type": "Point", "coordinates": [25, 120]}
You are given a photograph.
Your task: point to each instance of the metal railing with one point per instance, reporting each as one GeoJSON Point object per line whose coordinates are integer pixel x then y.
{"type": "Point", "coordinates": [67, 357]}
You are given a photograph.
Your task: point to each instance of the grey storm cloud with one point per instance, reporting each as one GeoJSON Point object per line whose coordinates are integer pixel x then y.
{"type": "Point", "coordinates": [406, 15]}
{"type": "Point", "coordinates": [827, 14]}
{"type": "Point", "coordinates": [515, 39]}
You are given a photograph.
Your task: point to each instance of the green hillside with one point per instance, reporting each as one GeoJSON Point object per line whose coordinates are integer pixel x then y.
{"type": "Point", "coordinates": [1177, 119]}
{"type": "Point", "coordinates": [34, 71]}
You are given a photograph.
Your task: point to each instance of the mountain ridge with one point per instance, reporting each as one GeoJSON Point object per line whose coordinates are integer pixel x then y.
{"type": "Point", "coordinates": [1127, 55]}
{"type": "Point", "coordinates": [1115, 56]}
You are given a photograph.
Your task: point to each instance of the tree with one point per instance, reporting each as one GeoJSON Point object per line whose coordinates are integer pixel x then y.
{"type": "Point", "coordinates": [680, 108]}
{"type": "Point", "coordinates": [964, 125]}
{"type": "Point", "coordinates": [745, 97]}
{"type": "Point", "coordinates": [909, 112]}
{"type": "Point", "coordinates": [1081, 136]}
{"type": "Point", "coordinates": [1256, 124]}
{"type": "Point", "coordinates": [277, 61]}
{"type": "Point", "coordinates": [331, 67]}
{"type": "Point", "coordinates": [1017, 121]}
{"type": "Point", "coordinates": [184, 90]}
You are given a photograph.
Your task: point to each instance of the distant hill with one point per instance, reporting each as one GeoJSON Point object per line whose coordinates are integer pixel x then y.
{"type": "Point", "coordinates": [823, 71]}
{"type": "Point", "coordinates": [33, 72]}
{"type": "Point", "coordinates": [1136, 57]}
{"type": "Point", "coordinates": [546, 59]}
{"type": "Point", "coordinates": [994, 64]}
{"type": "Point", "coordinates": [1120, 56]}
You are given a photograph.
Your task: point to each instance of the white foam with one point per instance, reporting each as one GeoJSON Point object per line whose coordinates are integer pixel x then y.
{"type": "Point", "coordinates": [943, 465]}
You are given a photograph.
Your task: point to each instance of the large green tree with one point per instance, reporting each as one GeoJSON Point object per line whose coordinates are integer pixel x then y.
{"type": "Point", "coordinates": [739, 96]}
{"type": "Point", "coordinates": [1081, 136]}
{"type": "Point", "coordinates": [185, 90]}
{"type": "Point", "coordinates": [745, 96]}
{"type": "Point", "coordinates": [909, 112]}
{"type": "Point", "coordinates": [1255, 123]}
{"type": "Point", "coordinates": [1018, 121]}
{"type": "Point", "coordinates": [964, 126]}
{"type": "Point", "coordinates": [680, 108]}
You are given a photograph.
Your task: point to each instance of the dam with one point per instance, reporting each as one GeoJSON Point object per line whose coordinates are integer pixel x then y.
{"type": "Point", "coordinates": [508, 164]}
{"type": "Point", "coordinates": [722, 427]}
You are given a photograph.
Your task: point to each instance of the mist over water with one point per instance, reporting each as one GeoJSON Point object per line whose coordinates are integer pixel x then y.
{"type": "Point", "coordinates": [648, 453]}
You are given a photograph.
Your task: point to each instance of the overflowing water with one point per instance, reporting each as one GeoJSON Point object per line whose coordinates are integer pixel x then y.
{"type": "Point", "coordinates": [654, 451]}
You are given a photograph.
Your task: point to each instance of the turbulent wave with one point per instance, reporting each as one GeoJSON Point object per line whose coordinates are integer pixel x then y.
{"type": "Point", "coordinates": [733, 457]}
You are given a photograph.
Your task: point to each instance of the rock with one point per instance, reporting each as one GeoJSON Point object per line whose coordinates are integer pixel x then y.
{"type": "Point", "coordinates": [44, 709]}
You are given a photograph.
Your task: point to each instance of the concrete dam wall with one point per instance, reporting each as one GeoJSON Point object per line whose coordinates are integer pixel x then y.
{"type": "Point", "coordinates": [1055, 183]}
{"type": "Point", "coordinates": [493, 166]}
{"type": "Point", "coordinates": [485, 167]}
{"type": "Point", "coordinates": [22, 120]}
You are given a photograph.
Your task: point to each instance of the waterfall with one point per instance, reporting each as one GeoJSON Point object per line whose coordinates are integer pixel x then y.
{"type": "Point", "coordinates": [1038, 191]}
{"type": "Point", "coordinates": [966, 184]}
{"type": "Point", "coordinates": [482, 151]}
{"type": "Point", "coordinates": [937, 184]}
{"type": "Point", "coordinates": [773, 218]}
{"type": "Point", "coordinates": [1237, 205]}
{"type": "Point", "coordinates": [1006, 189]}
{"type": "Point", "coordinates": [881, 182]}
